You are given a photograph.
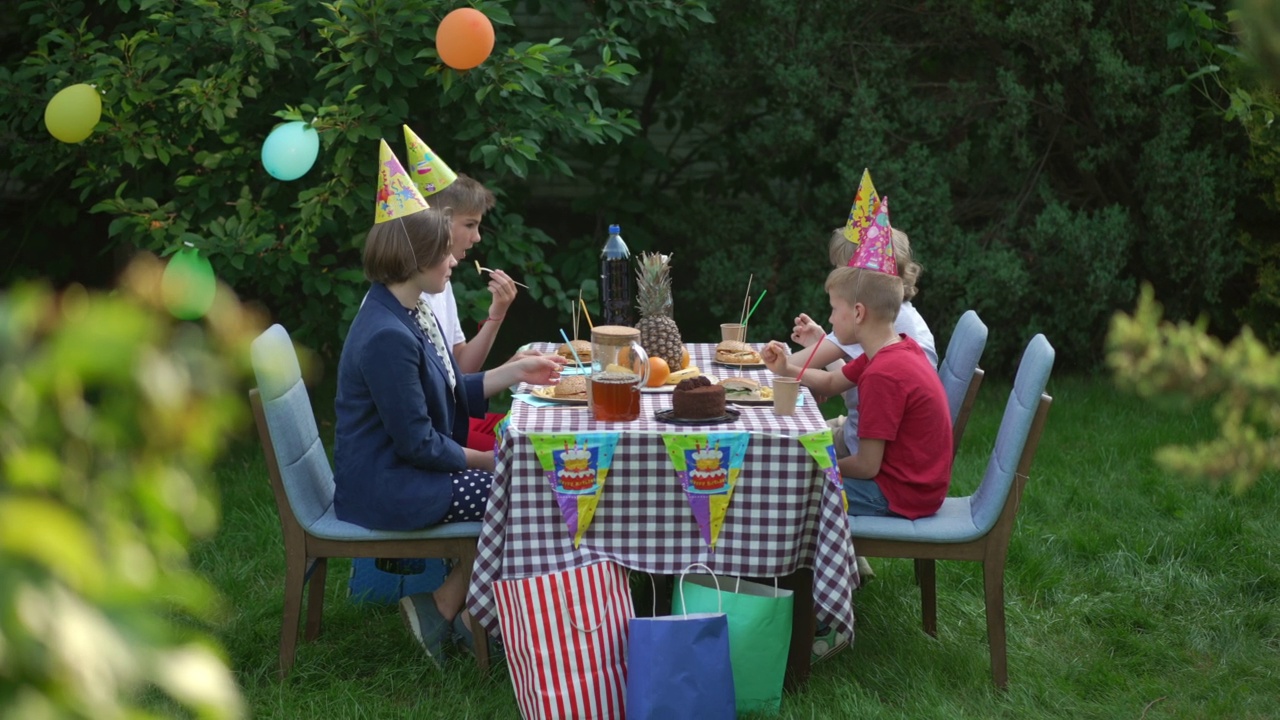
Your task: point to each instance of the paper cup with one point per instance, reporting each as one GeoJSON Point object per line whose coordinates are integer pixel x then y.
{"type": "Point", "coordinates": [785, 392]}
{"type": "Point", "coordinates": [733, 331]}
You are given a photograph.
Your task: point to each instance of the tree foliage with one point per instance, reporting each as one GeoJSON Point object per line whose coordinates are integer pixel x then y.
{"type": "Point", "coordinates": [193, 88]}
{"type": "Point", "coordinates": [111, 415]}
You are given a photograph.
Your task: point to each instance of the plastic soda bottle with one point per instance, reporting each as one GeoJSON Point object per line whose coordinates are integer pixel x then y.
{"type": "Point", "coordinates": [615, 280]}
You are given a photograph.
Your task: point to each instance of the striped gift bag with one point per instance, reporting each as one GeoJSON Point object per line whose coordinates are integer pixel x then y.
{"type": "Point", "coordinates": [565, 636]}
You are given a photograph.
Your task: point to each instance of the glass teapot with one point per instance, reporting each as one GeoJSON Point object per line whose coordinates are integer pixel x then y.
{"type": "Point", "coordinates": [619, 368]}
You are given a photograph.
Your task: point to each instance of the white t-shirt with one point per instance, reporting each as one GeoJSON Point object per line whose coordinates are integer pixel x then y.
{"type": "Point", "coordinates": [909, 323]}
{"type": "Point", "coordinates": [445, 306]}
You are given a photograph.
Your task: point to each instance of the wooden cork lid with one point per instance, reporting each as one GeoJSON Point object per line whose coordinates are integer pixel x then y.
{"type": "Point", "coordinates": [619, 335]}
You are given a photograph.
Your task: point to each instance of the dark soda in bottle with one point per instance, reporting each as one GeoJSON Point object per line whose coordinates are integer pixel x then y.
{"type": "Point", "coordinates": [615, 280]}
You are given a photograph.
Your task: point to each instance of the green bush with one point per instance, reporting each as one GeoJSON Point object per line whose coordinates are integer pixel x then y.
{"type": "Point", "coordinates": [1030, 152]}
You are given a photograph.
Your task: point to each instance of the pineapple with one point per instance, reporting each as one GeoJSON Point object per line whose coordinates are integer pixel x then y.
{"type": "Point", "coordinates": [659, 335]}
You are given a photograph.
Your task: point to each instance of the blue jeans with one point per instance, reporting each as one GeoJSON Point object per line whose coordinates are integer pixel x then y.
{"type": "Point", "coordinates": [865, 498]}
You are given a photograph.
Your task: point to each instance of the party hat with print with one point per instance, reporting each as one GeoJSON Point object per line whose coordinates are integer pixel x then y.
{"type": "Point", "coordinates": [397, 195]}
{"type": "Point", "coordinates": [863, 205]}
{"type": "Point", "coordinates": [428, 170]}
{"type": "Point", "coordinates": [875, 247]}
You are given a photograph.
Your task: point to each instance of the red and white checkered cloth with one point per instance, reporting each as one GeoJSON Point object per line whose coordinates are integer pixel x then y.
{"type": "Point", "coordinates": [784, 514]}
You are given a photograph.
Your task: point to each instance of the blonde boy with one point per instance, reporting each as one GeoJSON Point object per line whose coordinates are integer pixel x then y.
{"type": "Point", "coordinates": [903, 463]}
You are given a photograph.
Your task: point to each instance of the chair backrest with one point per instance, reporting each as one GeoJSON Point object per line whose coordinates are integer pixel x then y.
{"type": "Point", "coordinates": [304, 470]}
{"type": "Point", "coordinates": [958, 366]}
{"type": "Point", "coordinates": [1020, 413]}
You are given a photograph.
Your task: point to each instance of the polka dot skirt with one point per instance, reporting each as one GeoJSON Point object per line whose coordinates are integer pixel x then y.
{"type": "Point", "coordinates": [470, 495]}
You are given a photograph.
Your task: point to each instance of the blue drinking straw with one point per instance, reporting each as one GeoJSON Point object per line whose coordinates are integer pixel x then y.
{"type": "Point", "coordinates": [568, 344]}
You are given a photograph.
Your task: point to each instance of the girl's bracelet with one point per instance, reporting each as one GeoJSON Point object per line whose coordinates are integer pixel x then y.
{"type": "Point", "coordinates": [492, 320]}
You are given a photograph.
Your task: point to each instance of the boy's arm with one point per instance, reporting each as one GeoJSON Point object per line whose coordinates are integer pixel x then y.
{"type": "Point", "coordinates": [821, 382]}
{"type": "Point", "coordinates": [865, 465]}
{"type": "Point", "coordinates": [472, 354]}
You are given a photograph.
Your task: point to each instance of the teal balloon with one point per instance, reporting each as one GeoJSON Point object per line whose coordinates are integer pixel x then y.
{"type": "Point", "coordinates": [290, 150]}
{"type": "Point", "coordinates": [188, 285]}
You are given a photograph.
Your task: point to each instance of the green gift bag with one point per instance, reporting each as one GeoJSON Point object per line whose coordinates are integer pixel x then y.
{"type": "Point", "coordinates": [759, 633]}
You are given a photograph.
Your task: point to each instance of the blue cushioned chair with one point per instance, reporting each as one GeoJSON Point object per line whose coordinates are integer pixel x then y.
{"type": "Point", "coordinates": [302, 481]}
{"type": "Point", "coordinates": [977, 527]}
{"type": "Point", "coordinates": [960, 374]}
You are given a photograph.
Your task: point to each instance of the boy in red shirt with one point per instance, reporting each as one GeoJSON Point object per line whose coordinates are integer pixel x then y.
{"type": "Point", "coordinates": [903, 463]}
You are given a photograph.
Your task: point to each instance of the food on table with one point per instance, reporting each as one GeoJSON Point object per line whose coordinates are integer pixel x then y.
{"type": "Point", "coordinates": [690, 372]}
{"type": "Point", "coordinates": [732, 352]}
{"type": "Point", "coordinates": [738, 388]}
{"type": "Point", "coordinates": [582, 347]}
{"type": "Point", "coordinates": [571, 387]}
{"type": "Point", "coordinates": [658, 372]}
{"type": "Point", "coordinates": [697, 399]}
{"type": "Point", "coordinates": [659, 335]}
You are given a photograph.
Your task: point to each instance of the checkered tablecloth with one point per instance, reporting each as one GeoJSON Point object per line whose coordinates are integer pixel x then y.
{"type": "Point", "coordinates": [783, 516]}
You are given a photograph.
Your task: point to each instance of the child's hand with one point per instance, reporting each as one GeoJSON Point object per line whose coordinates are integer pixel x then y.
{"type": "Point", "coordinates": [503, 289]}
{"type": "Point", "coordinates": [775, 357]}
{"type": "Point", "coordinates": [806, 331]}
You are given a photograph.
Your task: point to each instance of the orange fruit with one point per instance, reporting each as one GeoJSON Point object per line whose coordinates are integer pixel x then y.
{"type": "Point", "coordinates": [658, 372]}
{"type": "Point", "coordinates": [684, 357]}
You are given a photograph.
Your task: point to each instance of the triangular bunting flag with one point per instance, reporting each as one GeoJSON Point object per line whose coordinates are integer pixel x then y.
{"type": "Point", "coordinates": [397, 195]}
{"type": "Point", "coordinates": [823, 451]}
{"type": "Point", "coordinates": [864, 203]}
{"type": "Point", "coordinates": [576, 467]}
{"type": "Point", "coordinates": [708, 467]}
{"type": "Point", "coordinates": [428, 170]}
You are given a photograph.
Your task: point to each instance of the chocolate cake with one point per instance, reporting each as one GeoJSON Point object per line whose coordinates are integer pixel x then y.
{"type": "Point", "coordinates": [697, 399]}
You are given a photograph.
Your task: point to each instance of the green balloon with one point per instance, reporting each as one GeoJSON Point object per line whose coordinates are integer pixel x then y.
{"type": "Point", "coordinates": [188, 285]}
{"type": "Point", "coordinates": [73, 113]}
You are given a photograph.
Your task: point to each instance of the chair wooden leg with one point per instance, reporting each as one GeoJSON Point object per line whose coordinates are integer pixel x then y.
{"type": "Point", "coordinates": [294, 583]}
{"type": "Point", "coordinates": [926, 575]}
{"type": "Point", "coordinates": [481, 646]}
{"type": "Point", "coordinates": [993, 583]}
{"type": "Point", "coordinates": [315, 598]}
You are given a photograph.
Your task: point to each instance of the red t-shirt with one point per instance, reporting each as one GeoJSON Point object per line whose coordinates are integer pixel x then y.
{"type": "Point", "coordinates": [901, 401]}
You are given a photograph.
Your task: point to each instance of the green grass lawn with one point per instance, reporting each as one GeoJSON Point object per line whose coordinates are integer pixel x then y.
{"type": "Point", "coordinates": [1129, 594]}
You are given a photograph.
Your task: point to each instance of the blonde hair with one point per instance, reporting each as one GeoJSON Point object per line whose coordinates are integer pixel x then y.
{"type": "Point", "coordinates": [394, 250]}
{"type": "Point", "coordinates": [880, 293]}
{"type": "Point", "coordinates": [465, 196]}
{"type": "Point", "coordinates": [840, 251]}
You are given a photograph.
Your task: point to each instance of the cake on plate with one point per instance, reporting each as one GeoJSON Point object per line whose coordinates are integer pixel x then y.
{"type": "Point", "coordinates": [697, 399]}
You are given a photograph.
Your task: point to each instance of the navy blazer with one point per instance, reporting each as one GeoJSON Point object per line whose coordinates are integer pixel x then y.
{"type": "Point", "coordinates": [400, 432]}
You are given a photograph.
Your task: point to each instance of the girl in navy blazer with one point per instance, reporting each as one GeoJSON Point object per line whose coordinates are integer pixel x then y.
{"type": "Point", "coordinates": [403, 406]}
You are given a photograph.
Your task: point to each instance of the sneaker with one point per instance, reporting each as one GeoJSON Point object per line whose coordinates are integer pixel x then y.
{"type": "Point", "coordinates": [426, 624]}
{"type": "Point", "coordinates": [826, 643]}
{"type": "Point", "coordinates": [865, 572]}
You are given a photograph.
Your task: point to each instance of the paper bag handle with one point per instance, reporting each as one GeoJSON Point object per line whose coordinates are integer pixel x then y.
{"type": "Point", "coordinates": [604, 612]}
{"type": "Point", "coordinates": [719, 600]}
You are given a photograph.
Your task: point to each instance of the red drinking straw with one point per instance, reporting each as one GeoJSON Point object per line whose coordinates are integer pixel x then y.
{"type": "Point", "coordinates": [811, 354]}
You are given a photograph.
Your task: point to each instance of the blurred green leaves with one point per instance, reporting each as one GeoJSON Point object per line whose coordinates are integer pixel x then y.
{"type": "Point", "coordinates": [111, 415]}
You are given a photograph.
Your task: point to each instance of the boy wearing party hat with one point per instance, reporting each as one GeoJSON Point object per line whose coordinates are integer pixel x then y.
{"type": "Point", "coordinates": [903, 463]}
{"type": "Point", "coordinates": [832, 354]}
{"type": "Point", "coordinates": [467, 200]}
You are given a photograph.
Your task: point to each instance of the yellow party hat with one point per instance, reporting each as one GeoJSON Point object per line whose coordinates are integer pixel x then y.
{"type": "Point", "coordinates": [429, 171]}
{"type": "Point", "coordinates": [397, 195]}
{"type": "Point", "coordinates": [864, 203]}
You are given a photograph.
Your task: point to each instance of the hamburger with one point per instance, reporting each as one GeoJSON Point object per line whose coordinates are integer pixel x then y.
{"type": "Point", "coordinates": [739, 388]}
{"type": "Point", "coordinates": [732, 352]}
{"type": "Point", "coordinates": [582, 347]}
{"type": "Point", "coordinates": [571, 387]}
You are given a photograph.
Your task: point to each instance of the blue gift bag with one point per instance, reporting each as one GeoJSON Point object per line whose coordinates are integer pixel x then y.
{"type": "Point", "coordinates": [678, 667]}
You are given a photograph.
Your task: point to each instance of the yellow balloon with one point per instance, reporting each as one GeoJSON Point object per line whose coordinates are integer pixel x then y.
{"type": "Point", "coordinates": [73, 113]}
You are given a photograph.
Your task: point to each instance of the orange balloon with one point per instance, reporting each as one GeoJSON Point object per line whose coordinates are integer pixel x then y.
{"type": "Point", "coordinates": [464, 39]}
